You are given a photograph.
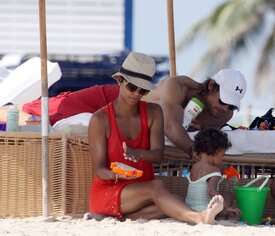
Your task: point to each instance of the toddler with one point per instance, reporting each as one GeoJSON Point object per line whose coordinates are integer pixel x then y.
{"type": "Point", "coordinates": [205, 175]}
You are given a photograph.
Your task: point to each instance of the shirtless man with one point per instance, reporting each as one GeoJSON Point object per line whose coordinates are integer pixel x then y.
{"type": "Point", "coordinates": [220, 95]}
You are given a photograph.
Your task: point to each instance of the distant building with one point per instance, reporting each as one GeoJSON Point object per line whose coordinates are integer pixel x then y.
{"type": "Point", "coordinates": [74, 27]}
{"type": "Point", "coordinates": [88, 38]}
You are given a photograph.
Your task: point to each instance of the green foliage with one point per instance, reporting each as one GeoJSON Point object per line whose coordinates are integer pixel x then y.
{"type": "Point", "coordinates": [228, 29]}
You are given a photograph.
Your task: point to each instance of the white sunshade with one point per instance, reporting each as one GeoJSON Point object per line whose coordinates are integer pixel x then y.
{"type": "Point", "coordinates": [24, 83]}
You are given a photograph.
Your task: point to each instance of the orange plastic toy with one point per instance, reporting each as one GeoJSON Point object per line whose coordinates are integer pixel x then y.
{"type": "Point", "coordinates": [231, 172]}
{"type": "Point", "coordinates": [123, 169]}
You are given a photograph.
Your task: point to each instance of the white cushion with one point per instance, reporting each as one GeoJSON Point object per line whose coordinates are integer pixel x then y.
{"type": "Point", "coordinates": [77, 124]}
{"type": "Point", "coordinates": [24, 83]}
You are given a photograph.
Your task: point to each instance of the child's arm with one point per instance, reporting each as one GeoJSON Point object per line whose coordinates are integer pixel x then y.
{"type": "Point", "coordinates": [213, 185]}
{"type": "Point", "coordinates": [212, 188]}
{"type": "Point", "coordinates": [212, 191]}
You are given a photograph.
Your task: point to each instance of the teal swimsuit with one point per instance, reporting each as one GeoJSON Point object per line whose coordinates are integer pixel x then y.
{"type": "Point", "coordinates": [197, 194]}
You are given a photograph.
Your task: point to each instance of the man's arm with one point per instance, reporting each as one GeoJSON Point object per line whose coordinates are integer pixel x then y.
{"type": "Point", "coordinates": [173, 96]}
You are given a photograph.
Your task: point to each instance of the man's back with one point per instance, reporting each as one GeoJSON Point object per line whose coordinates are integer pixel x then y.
{"type": "Point", "coordinates": [173, 94]}
{"type": "Point", "coordinates": [177, 92]}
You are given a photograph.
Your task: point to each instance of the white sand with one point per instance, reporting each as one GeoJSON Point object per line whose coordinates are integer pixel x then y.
{"type": "Point", "coordinates": [75, 226]}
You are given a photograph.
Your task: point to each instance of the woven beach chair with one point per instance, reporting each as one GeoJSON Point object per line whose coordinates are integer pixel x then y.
{"type": "Point", "coordinates": [70, 174]}
{"type": "Point", "coordinates": [249, 165]}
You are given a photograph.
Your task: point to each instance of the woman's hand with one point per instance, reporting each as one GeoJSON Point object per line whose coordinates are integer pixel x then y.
{"type": "Point", "coordinates": [130, 153]}
{"type": "Point", "coordinates": [116, 176]}
{"type": "Point", "coordinates": [127, 177]}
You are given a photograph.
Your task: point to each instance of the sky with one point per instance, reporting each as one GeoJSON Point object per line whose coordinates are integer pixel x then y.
{"type": "Point", "coordinates": [150, 30]}
{"type": "Point", "coordinates": [150, 35]}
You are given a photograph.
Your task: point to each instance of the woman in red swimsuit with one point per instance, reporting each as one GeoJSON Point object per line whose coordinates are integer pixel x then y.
{"type": "Point", "coordinates": [130, 131]}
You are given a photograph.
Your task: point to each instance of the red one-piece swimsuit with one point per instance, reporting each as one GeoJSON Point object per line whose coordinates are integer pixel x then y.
{"type": "Point", "coordinates": [105, 194]}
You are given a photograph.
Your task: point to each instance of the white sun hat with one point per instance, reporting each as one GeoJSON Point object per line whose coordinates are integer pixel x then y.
{"type": "Point", "coordinates": [138, 68]}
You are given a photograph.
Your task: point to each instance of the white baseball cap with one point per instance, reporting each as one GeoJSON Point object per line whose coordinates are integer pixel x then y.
{"type": "Point", "coordinates": [138, 68]}
{"type": "Point", "coordinates": [232, 86]}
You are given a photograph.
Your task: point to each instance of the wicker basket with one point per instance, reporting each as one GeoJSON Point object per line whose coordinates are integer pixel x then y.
{"type": "Point", "coordinates": [79, 174]}
{"type": "Point", "coordinates": [21, 174]}
{"type": "Point", "coordinates": [70, 174]}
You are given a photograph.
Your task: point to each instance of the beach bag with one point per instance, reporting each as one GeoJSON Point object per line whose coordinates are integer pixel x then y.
{"type": "Point", "coordinates": [251, 201]}
{"type": "Point", "coordinates": [265, 122]}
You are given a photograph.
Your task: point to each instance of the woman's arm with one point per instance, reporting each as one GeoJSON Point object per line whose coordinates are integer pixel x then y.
{"type": "Point", "coordinates": [98, 132]}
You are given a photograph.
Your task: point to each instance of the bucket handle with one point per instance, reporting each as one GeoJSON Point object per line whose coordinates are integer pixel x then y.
{"type": "Point", "coordinates": [255, 180]}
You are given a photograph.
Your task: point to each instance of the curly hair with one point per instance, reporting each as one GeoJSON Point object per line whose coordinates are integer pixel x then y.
{"type": "Point", "coordinates": [210, 140]}
{"type": "Point", "coordinates": [205, 90]}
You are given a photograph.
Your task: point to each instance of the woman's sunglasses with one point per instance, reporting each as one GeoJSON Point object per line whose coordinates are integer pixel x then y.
{"type": "Point", "coordinates": [230, 107]}
{"type": "Point", "coordinates": [133, 88]}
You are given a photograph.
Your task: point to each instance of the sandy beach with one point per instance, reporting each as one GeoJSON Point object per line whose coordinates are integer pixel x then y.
{"type": "Point", "coordinates": [69, 226]}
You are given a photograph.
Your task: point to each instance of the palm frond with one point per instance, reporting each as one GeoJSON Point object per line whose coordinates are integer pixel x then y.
{"type": "Point", "coordinates": [228, 29]}
{"type": "Point", "coordinates": [265, 70]}
{"type": "Point", "coordinates": [267, 54]}
{"type": "Point", "coordinates": [212, 61]}
{"type": "Point", "coordinates": [194, 32]}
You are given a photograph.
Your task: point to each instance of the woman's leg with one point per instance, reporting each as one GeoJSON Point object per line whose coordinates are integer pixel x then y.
{"type": "Point", "coordinates": [147, 213]}
{"type": "Point", "coordinates": [136, 196]}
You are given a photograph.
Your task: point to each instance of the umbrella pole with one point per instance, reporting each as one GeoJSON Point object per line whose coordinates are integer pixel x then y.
{"type": "Point", "coordinates": [171, 39]}
{"type": "Point", "coordinates": [45, 109]}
